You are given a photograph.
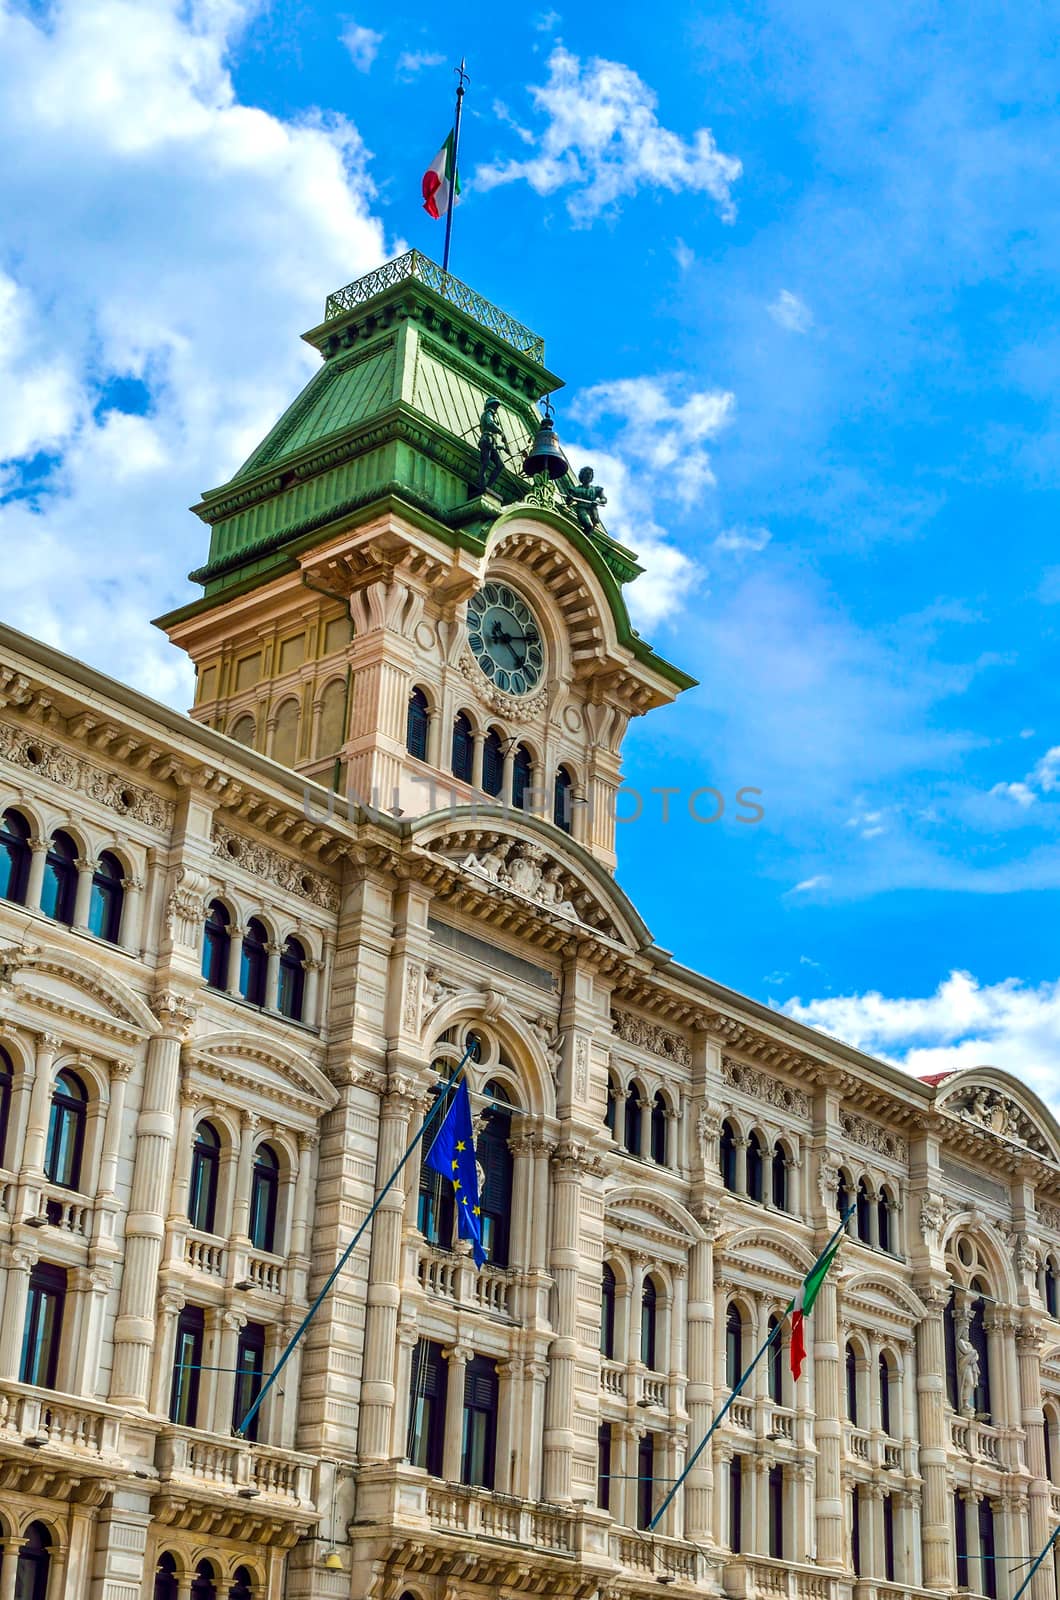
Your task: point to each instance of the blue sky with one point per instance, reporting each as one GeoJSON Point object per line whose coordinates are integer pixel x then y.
{"type": "Point", "coordinates": [798, 266]}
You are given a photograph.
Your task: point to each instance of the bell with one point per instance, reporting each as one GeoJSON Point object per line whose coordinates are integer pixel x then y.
{"type": "Point", "coordinates": [333, 1561]}
{"type": "Point", "coordinates": [545, 453]}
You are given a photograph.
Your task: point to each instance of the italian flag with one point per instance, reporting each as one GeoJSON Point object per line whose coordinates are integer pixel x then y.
{"type": "Point", "coordinates": [802, 1305]}
{"type": "Point", "coordinates": [440, 181]}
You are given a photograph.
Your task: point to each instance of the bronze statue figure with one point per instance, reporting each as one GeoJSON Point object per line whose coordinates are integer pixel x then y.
{"type": "Point", "coordinates": [585, 500]}
{"type": "Point", "coordinates": [491, 440]}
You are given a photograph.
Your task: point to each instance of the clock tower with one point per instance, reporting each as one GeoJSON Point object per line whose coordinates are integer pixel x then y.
{"type": "Point", "coordinates": [392, 607]}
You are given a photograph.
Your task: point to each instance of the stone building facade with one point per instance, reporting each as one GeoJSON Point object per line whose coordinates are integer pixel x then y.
{"type": "Point", "coordinates": [235, 951]}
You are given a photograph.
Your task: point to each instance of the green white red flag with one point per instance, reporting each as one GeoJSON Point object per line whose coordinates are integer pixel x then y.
{"type": "Point", "coordinates": [802, 1305]}
{"type": "Point", "coordinates": [441, 181]}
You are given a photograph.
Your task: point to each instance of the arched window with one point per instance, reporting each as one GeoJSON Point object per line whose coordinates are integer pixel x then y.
{"type": "Point", "coordinates": [852, 1384]}
{"type": "Point", "coordinates": [884, 1207]}
{"type": "Point", "coordinates": [285, 732]}
{"type": "Point", "coordinates": [215, 946]}
{"type": "Point", "coordinates": [733, 1345]}
{"type": "Point", "coordinates": [204, 1585]}
{"type": "Point", "coordinates": [59, 889]}
{"type": "Point", "coordinates": [264, 1192]}
{"type": "Point", "coordinates": [463, 747]}
{"type": "Point", "coordinates": [648, 1321]}
{"type": "Point", "coordinates": [886, 1376]}
{"type": "Point", "coordinates": [104, 906]}
{"type": "Point", "coordinates": [331, 729]}
{"type": "Point", "coordinates": [66, 1131]}
{"type": "Point", "coordinates": [522, 777]}
{"type": "Point", "coordinates": [14, 856]}
{"type": "Point", "coordinates": [754, 1166]}
{"type": "Point", "coordinates": [495, 1198]}
{"type": "Point", "coordinates": [243, 731]}
{"type": "Point", "coordinates": [34, 1564]}
{"type": "Point", "coordinates": [980, 1343]}
{"type": "Point", "coordinates": [6, 1083]}
{"type": "Point", "coordinates": [776, 1364]}
{"type": "Point", "coordinates": [241, 1585]}
{"type": "Point", "coordinates": [417, 725]}
{"type": "Point", "coordinates": [864, 1212]}
{"type": "Point", "coordinates": [492, 763]}
{"type": "Point", "coordinates": [202, 1189]}
{"type": "Point", "coordinates": [166, 1587]}
{"type": "Point", "coordinates": [290, 990]}
{"type": "Point", "coordinates": [611, 1109]}
{"type": "Point", "coordinates": [562, 797]}
{"type": "Point", "coordinates": [780, 1177]}
{"type": "Point", "coordinates": [727, 1148]}
{"type": "Point", "coordinates": [254, 963]}
{"type": "Point", "coordinates": [632, 1119]}
{"type": "Point", "coordinates": [1051, 1298]}
{"type": "Point", "coordinates": [607, 1313]}
{"type": "Point", "coordinates": [659, 1120]}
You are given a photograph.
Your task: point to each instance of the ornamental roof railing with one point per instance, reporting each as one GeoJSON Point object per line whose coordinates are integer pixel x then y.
{"type": "Point", "coordinates": [415, 265]}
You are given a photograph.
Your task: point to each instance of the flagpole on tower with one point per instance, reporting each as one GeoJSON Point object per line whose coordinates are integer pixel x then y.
{"type": "Point", "coordinates": [461, 79]}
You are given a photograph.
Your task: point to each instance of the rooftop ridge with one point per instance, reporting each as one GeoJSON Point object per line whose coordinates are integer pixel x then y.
{"type": "Point", "coordinates": [415, 265]}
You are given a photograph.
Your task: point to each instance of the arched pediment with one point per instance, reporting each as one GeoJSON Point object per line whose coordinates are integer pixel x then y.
{"type": "Point", "coordinates": [646, 1212]}
{"type": "Point", "coordinates": [1000, 1104]}
{"type": "Point", "coordinates": [879, 1293]}
{"type": "Point", "coordinates": [274, 1070]}
{"type": "Point", "coordinates": [764, 1247]}
{"type": "Point", "coordinates": [517, 858]}
{"type": "Point", "coordinates": [68, 984]}
{"type": "Point", "coordinates": [567, 567]}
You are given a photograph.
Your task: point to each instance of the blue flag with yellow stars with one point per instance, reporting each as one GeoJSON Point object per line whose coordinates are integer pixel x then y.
{"type": "Point", "coordinates": [453, 1155]}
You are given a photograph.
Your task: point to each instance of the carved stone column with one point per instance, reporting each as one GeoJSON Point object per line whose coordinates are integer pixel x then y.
{"type": "Point", "coordinates": [384, 1280]}
{"type": "Point", "coordinates": [35, 880]}
{"type": "Point", "coordinates": [9, 1549]}
{"type": "Point", "coordinates": [273, 952]}
{"type": "Point", "coordinates": [458, 1358]}
{"type": "Point", "coordinates": [132, 910]}
{"type": "Point", "coordinates": [48, 1047]}
{"type": "Point", "coordinates": [311, 996]}
{"type": "Point", "coordinates": [22, 1260]}
{"type": "Point", "coordinates": [134, 1329]}
{"type": "Point", "coordinates": [828, 1428]}
{"type": "Point", "coordinates": [569, 1166]}
{"type": "Point", "coordinates": [108, 1167]}
{"type": "Point", "coordinates": [172, 1304]}
{"type": "Point", "coordinates": [931, 1403]}
{"type": "Point", "coordinates": [83, 895]}
{"type": "Point", "coordinates": [699, 1485]}
{"type": "Point", "coordinates": [248, 1126]}
{"type": "Point", "coordinates": [235, 958]}
{"type": "Point", "coordinates": [1029, 1353]}
{"type": "Point", "coordinates": [232, 1325]}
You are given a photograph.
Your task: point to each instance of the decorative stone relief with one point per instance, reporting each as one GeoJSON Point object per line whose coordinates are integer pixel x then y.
{"type": "Point", "coordinates": [935, 1212]}
{"type": "Point", "coordinates": [264, 862]}
{"type": "Point", "coordinates": [997, 1114]}
{"type": "Point", "coordinates": [828, 1177]}
{"type": "Point", "coordinates": [750, 1081]}
{"type": "Point", "coordinates": [581, 1069]}
{"type": "Point", "coordinates": [521, 708]}
{"type": "Point", "coordinates": [548, 1036]}
{"type": "Point", "coordinates": [186, 907]}
{"type": "Point", "coordinates": [521, 866]}
{"type": "Point", "coordinates": [435, 989]}
{"type": "Point", "coordinates": [74, 772]}
{"type": "Point", "coordinates": [410, 1017]}
{"type": "Point", "coordinates": [1049, 1218]}
{"type": "Point", "coordinates": [708, 1123]}
{"type": "Point", "coordinates": [871, 1136]}
{"type": "Point", "coordinates": [650, 1036]}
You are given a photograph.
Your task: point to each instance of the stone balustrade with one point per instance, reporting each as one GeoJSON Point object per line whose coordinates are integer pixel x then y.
{"type": "Point", "coordinates": [188, 1458]}
{"type": "Point", "coordinates": [59, 1423]}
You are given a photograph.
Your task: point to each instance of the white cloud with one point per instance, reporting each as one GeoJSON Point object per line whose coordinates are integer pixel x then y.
{"type": "Point", "coordinates": [658, 430]}
{"type": "Point", "coordinates": [362, 44]}
{"type": "Point", "coordinates": [603, 138]}
{"type": "Point", "coordinates": [1019, 792]}
{"type": "Point", "coordinates": [185, 247]}
{"type": "Point", "coordinates": [411, 62]}
{"type": "Point", "coordinates": [1011, 1025]}
{"type": "Point", "coordinates": [547, 22]}
{"type": "Point", "coordinates": [1026, 733]}
{"type": "Point", "coordinates": [807, 886]}
{"type": "Point", "coordinates": [791, 312]}
{"type": "Point", "coordinates": [1044, 778]}
{"type": "Point", "coordinates": [742, 538]}
{"type": "Point", "coordinates": [869, 824]}
{"type": "Point", "coordinates": [684, 255]}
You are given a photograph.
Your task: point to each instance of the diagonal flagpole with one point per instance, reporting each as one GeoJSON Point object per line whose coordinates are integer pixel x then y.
{"type": "Point", "coordinates": [347, 1253]}
{"type": "Point", "coordinates": [1038, 1561]}
{"type": "Point", "coordinates": [738, 1386]}
{"type": "Point", "coordinates": [462, 81]}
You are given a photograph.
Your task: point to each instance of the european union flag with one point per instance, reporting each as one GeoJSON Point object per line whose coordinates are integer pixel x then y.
{"type": "Point", "coordinates": [453, 1155]}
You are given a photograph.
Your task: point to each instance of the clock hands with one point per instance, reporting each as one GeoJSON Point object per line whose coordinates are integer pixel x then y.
{"type": "Point", "coordinates": [501, 635]}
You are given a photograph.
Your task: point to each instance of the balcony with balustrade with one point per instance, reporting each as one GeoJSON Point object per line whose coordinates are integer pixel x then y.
{"type": "Point", "coordinates": [980, 1441]}
{"type": "Point", "coordinates": [58, 1438]}
{"type": "Point", "coordinates": [749, 1577]}
{"type": "Point", "coordinates": [452, 1277]}
{"type": "Point", "coordinates": [222, 1481]}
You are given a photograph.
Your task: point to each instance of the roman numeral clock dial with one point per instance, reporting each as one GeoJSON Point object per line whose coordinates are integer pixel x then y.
{"type": "Point", "coordinates": [505, 639]}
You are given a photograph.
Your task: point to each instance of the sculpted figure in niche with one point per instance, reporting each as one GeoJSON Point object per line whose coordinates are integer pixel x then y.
{"type": "Point", "coordinates": [491, 864]}
{"type": "Point", "coordinates": [550, 893]}
{"type": "Point", "coordinates": [967, 1373]}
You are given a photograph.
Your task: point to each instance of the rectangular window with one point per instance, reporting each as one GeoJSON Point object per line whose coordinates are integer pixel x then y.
{"type": "Point", "coordinates": [479, 1445]}
{"type": "Point", "coordinates": [888, 1538]}
{"type": "Point", "coordinates": [736, 1503]}
{"type": "Point", "coordinates": [988, 1582]}
{"type": "Point", "coordinates": [187, 1360]}
{"type": "Point", "coordinates": [250, 1370]}
{"type": "Point", "coordinates": [427, 1386]}
{"type": "Point", "coordinates": [44, 1326]}
{"type": "Point", "coordinates": [960, 1538]}
{"type": "Point", "coordinates": [645, 1479]}
{"type": "Point", "coordinates": [776, 1513]}
{"type": "Point", "coordinates": [603, 1466]}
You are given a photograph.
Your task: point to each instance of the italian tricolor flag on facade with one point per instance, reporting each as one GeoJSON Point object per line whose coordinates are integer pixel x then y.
{"type": "Point", "coordinates": [441, 183]}
{"type": "Point", "coordinates": [802, 1305]}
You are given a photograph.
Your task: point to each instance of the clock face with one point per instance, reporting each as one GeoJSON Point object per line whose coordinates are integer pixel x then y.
{"type": "Point", "coordinates": [505, 638]}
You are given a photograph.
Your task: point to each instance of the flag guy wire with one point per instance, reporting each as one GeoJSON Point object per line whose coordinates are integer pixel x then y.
{"type": "Point", "coordinates": [1038, 1561]}
{"type": "Point", "coordinates": [346, 1254]}
{"type": "Point", "coordinates": [738, 1386]}
{"type": "Point", "coordinates": [462, 80]}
